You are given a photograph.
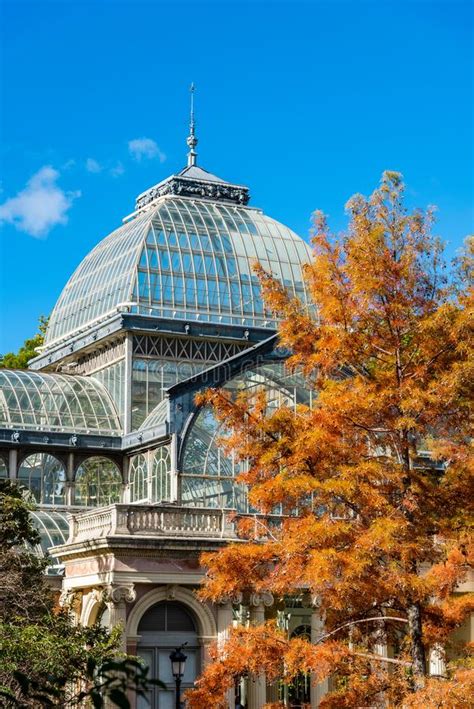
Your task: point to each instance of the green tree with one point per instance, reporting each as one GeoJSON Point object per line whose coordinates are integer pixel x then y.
{"type": "Point", "coordinates": [20, 359]}
{"type": "Point", "coordinates": [46, 661]}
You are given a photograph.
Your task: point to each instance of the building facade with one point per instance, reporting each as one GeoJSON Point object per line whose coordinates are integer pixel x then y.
{"type": "Point", "coordinates": [104, 431]}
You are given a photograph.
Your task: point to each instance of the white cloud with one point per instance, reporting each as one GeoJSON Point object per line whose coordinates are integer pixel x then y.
{"type": "Point", "coordinates": [145, 148]}
{"type": "Point", "coordinates": [93, 166]}
{"type": "Point", "coordinates": [40, 206]}
{"type": "Point", "coordinates": [117, 170]}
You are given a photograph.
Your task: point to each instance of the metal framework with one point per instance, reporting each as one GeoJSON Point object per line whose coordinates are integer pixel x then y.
{"type": "Point", "coordinates": [56, 403]}
{"type": "Point", "coordinates": [185, 349]}
{"type": "Point", "coordinates": [182, 259]}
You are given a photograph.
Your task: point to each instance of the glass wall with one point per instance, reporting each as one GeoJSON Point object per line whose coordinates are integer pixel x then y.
{"type": "Point", "coordinates": [113, 379]}
{"type": "Point", "coordinates": [3, 469]}
{"type": "Point", "coordinates": [150, 476]}
{"type": "Point", "coordinates": [208, 474]}
{"type": "Point", "coordinates": [45, 477]}
{"type": "Point", "coordinates": [98, 483]}
{"type": "Point", "coordinates": [151, 377]}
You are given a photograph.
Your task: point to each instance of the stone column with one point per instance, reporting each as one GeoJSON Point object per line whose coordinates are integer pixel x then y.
{"type": "Point", "coordinates": [175, 492]}
{"type": "Point", "coordinates": [224, 624]}
{"type": "Point", "coordinates": [380, 645]}
{"type": "Point", "coordinates": [437, 661]}
{"type": "Point", "coordinates": [116, 597]}
{"type": "Point", "coordinates": [12, 463]}
{"type": "Point", "coordinates": [125, 491]}
{"type": "Point", "coordinates": [257, 686]}
{"type": "Point", "coordinates": [317, 630]}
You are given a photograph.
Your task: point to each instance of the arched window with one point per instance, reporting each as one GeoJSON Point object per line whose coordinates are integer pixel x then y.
{"type": "Point", "coordinates": [138, 479]}
{"type": "Point", "coordinates": [45, 477]}
{"type": "Point", "coordinates": [98, 483]}
{"type": "Point", "coordinates": [207, 472]}
{"type": "Point", "coordinates": [163, 627]}
{"type": "Point", "coordinates": [160, 474]}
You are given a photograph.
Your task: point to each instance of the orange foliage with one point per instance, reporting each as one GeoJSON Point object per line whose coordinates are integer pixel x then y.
{"type": "Point", "coordinates": [380, 528]}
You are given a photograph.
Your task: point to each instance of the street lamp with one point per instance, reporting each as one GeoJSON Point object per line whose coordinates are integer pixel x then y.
{"type": "Point", "coordinates": [178, 661]}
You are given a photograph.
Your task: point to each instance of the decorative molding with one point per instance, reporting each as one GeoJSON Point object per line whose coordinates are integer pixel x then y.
{"type": "Point", "coordinates": [117, 594]}
{"type": "Point", "coordinates": [170, 591]}
{"type": "Point", "coordinates": [261, 599]}
{"type": "Point", "coordinates": [189, 187]}
{"type": "Point", "coordinates": [206, 622]}
{"type": "Point", "coordinates": [71, 601]}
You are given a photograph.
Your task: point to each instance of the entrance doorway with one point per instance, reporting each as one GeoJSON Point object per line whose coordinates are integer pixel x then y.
{"type": "Point", "coordinates": [164, 627]}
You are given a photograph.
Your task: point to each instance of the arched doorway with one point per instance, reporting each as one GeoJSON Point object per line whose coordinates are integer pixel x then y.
{"type": "Point", "coordinates": [162, 628]}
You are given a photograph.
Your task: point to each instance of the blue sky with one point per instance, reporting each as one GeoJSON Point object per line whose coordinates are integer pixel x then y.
{"type": "Point", "coordinates": [305, 102]}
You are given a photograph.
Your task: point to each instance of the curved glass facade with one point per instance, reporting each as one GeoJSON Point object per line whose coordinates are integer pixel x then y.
{"type": "Point", "coordinates": [53, 528]}
{"type": "Point", "coordinates": [56, 402]}
{"type": "Point", "coordinates": [207, 473]}
{"type": "Point", "coordinates": [101, 281]}
{"type": "Point", "coordinates": [186, 259]}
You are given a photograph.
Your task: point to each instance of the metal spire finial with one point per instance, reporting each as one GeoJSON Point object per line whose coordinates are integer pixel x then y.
{"type": "Point", "coordinates": [192, 141]}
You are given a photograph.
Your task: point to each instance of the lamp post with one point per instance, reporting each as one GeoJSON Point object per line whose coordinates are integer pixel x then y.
{"type": "Point", "coordinates": [178, 662]}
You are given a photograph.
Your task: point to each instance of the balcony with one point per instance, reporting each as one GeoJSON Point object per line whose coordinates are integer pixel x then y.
{"type": "Point", "coordinates": [155, 521]}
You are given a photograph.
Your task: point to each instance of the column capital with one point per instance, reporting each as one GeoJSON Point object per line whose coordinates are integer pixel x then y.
{"type": "Point", "coordinates": [117, 593]}
{"type": "Point", "coordinates": [261, 599]}
{"type": "Point", "coordinates": [70, 599]}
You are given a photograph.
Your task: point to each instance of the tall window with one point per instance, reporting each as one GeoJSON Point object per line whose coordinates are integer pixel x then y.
{"type": "Point", "coordinates": [138, 479]}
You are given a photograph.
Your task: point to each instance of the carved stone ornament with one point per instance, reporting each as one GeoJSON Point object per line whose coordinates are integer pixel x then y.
{"type": "Point", "coordinates": [70, 600]}
{"type": "Point", "coordinates": [116, 594]}
{"type": "Point", "coordinates": [186, 187]}
{"type": "Point", "coordinates": [261, 599]}
{"type": "Point", "coordinates": [170, 592]}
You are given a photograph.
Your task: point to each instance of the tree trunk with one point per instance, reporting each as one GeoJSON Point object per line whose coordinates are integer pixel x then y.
{"type": "Point", "coordinates": [417, 649]}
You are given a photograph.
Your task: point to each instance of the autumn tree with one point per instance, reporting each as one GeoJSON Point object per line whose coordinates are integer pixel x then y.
{"type": "Point", "coordinates": [374, 478]}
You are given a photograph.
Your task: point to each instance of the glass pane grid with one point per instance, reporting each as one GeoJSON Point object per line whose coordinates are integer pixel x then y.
{"type": "Point", "coordinates": [184, 259]}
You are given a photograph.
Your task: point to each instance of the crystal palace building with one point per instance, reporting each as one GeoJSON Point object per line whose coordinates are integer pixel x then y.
{"type": "Point", "coordinates": [103, 427]}
{"type": "Point", "coordinates": [104, 431]}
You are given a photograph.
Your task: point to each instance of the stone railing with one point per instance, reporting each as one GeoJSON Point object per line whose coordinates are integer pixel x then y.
{"type": "Point", "coordinates": [150, 521]}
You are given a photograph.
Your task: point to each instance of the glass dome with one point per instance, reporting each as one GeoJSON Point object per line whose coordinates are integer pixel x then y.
{"type": "Point", "coordinates": [56, 402]}
{"type": "Point", "coordinates": [182, 258]}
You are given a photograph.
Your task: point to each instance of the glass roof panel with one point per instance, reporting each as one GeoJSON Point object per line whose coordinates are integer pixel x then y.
{"type": "Point", "coordinates": [102, 281]}
{"type": "Point", "coordinates": [157, 416]}
{"type": "Point", "coordinates": [56, 402]}
{"type": "Point", "coordinates": [182, 258]}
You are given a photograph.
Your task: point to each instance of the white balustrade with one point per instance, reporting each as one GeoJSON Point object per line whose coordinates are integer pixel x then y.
{"type": "Point", "coordinates": [150, 520]}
